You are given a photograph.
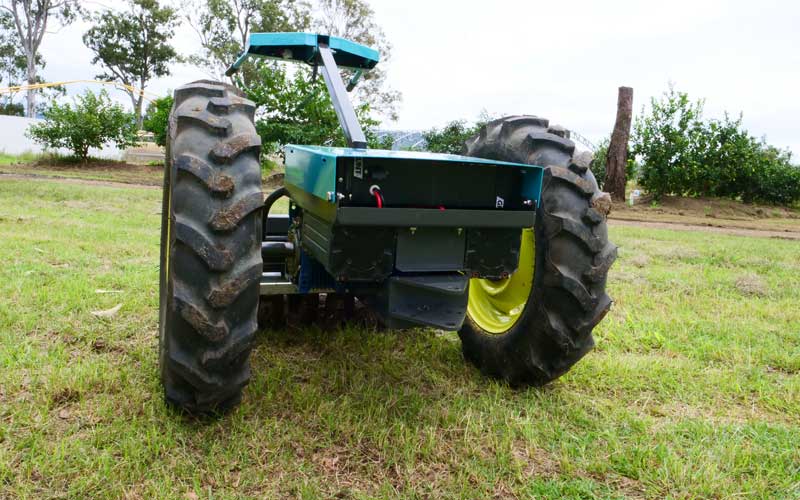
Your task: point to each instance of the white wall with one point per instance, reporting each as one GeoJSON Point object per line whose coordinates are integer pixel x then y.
{"type": "Point", "coordinates": [13, 140]}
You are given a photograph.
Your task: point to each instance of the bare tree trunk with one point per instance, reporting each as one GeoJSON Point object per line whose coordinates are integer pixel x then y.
{"type": "Point", "coordinates": [138, 111]}
{"type": "Point", "coordinates": [617, 157]}
{"type": "Point", "coordinates": [30, 101]}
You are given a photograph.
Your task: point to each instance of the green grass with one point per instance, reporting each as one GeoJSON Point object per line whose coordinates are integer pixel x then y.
{"type": "Point", "coordinates": [9, 159]}
{"type": "Point", "coordinates": [693, 389]}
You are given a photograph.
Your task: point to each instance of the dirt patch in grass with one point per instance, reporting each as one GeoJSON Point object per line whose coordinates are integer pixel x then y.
{"type": "Point", "coordinates": [710, 212]}
{"type": "Point", "coordinates": [784, 234]}
{"type": "Point", "coordinates": [97, 170]}
{"type": "Point", "coordinates": [708, 207]}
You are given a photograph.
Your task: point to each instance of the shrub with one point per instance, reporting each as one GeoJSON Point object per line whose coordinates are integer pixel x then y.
{"type": "Point", "coordinates": [682, 154]}
{"type": "Point", "coordinates": [156, 118]}
{"type": "Point", "coordinates": [92, 122]}
{"type": "Point", "coordinates": [777, 180]}
{"type": "Point", "coordinates": [666, 142]}
{"type": "Point", "coordinates": [598, 166]}
{"type": "Point", "coordinates": [12, 109]}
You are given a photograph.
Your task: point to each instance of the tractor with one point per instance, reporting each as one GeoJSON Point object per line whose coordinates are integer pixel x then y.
{"type": "Point", "coordinates": [506, 244]}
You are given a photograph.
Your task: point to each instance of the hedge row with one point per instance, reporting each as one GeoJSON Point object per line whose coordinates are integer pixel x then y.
{"type": "Point", "coordinates": [682, 154]}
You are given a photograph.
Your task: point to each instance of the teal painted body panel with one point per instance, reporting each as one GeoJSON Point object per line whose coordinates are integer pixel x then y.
{"type": "Point", "coordinates": [401, 155]}
{"type": "Point", "coordinates": [313, 168]}
{"type": "Point", "coordinates": [302, 47]}
{"type": "Point", "coordinates": [311, 171]}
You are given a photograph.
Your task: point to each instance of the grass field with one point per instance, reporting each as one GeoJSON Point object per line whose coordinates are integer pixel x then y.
{"type": "Point", "coordinates": [693, 390]}
{"type": "Point", "coordinates": [43, 166]}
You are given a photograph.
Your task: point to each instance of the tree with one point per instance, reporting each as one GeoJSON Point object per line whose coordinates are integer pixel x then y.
{"type": "Point", "coordinates": [156, 119]}
{"type": "Point", "coordinates": [666, 141]}
{"type": "Point", "coordinates": [31, 19]}
{"type": "Point", "coordinates": [355, 20]}
{"type": "Point", "coordinates": [617, 155]}
{"type": "Point", "coordinates": [450, 138]}
{"type": "Point", "coordinates": [92, 122]}
{"type": "Point", "coordinates": [296, 109]}
{"type": "Point", "coordinates": [224, 27]}
{"type": "Point", "coordinates": [683, 154]}
{"type": "Point", "coordinates": [13, 68]}
{"type": "Point", "coordinates": [134, 46]}
{"type": "Point", "coordinates": [12, 64]}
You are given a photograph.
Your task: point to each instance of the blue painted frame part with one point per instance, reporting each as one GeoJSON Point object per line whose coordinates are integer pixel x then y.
{"type": "Point", "coordinates": [313, 168]}
{"type": "Point", "coordinates": [303, 47]}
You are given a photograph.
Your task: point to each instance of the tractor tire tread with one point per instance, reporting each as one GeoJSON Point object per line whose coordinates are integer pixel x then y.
{"type": "Point", "coordinates": [228, 150]}
{"type": "Point", "coordinates": [210, 300]}
{"type": "Point", "coordinates": [218, 183]}
{"type": "Point", "coordinates": [572, 258]}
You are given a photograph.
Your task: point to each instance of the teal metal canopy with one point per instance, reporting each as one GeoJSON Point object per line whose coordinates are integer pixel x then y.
{"type": "Point", "coordinates": [304, 47]}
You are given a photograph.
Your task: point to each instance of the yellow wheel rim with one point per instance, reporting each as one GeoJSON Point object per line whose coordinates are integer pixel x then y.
{"type": "Point", "coordinates": [496, 306]}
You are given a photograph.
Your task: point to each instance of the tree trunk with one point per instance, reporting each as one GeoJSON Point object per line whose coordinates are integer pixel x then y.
{"type": "Point", "coordinates": [138, 111]}
{"type": "Point", "coordinates": [30, 102]}
{"type": "Point", "coordinates": [617, 157]}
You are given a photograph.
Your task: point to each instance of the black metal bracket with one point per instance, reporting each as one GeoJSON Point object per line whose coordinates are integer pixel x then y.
{"type": "Point", "coordinates": [341, 102]}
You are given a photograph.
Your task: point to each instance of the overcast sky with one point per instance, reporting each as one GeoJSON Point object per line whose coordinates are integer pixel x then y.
{"type": "Point", "coordinates": [561, 60]}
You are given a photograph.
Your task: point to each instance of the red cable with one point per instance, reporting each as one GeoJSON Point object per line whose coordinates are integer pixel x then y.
{"type": "Point", "coordinates": [378, 198]}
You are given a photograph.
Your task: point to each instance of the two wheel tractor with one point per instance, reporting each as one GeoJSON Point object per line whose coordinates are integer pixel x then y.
{"type": "Point", "coordinates": [507, 245]}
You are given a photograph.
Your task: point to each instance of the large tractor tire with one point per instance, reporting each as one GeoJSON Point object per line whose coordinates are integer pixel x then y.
{"type": "Point", "coordinates": [210, 248]}
{"type": "Point", "coordinates": [535, 325]}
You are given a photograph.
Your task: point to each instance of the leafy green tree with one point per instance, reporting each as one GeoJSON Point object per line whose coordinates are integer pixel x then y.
{"type": "Point", "coordinates": [683, 154]}
{"type": "Point", "coordinates": [727, 156]}
{"type": "Point", "coordinates": [450, 138]}
{"type": "Point", "coordinates": [355, 20]}
{"type": "Point", "coordinates": [134, 45]}
{"type": "Point", "coordinates": [32, 20]}
{"type": "Point", "coordinates": [778, 179]}
{"type": "Point", "coordinates": [666, 142]}
{"type": "Point", "coordinates": [156, 118]}
{"type": "Point", "coordinates": [12, 109]}
{"type": "Point", "coordinates": [13, 68]}
{"type": "Point", "coordinates": [224, 27]}
{"type": "Point", "coordinates": [12, 64]}
{"type": "Point", "coordinates": [598, 166]}
{"type": "Point", "coordinates": [92, 122]}
{"type": "Point", "coordinates": [294, 109]}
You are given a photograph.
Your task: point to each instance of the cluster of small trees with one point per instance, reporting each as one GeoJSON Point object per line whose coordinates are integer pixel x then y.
{"type": "Point", "coordinates": [682, 153]}
{"type": "Point", "coordinates": [674, 150]}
